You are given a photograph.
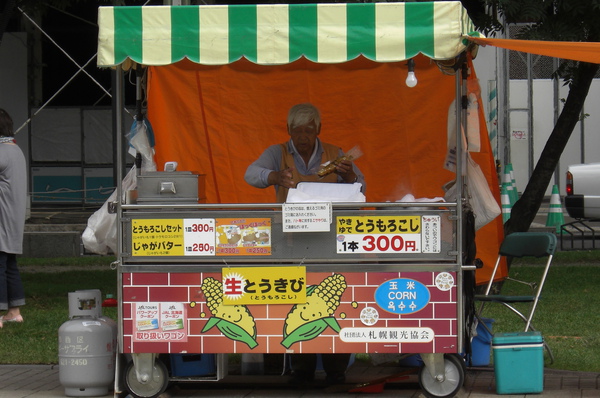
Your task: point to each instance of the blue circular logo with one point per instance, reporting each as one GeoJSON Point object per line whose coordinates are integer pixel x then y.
{"type": "Point", "coordinates": [402, 296]}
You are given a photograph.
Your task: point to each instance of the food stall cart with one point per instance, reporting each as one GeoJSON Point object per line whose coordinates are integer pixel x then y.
{"type": "Point", "coordinates": [208, 265]}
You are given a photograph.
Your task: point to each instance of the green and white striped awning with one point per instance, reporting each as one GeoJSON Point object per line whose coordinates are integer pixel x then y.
{"type": "Point", "coordinates": [281, 33]}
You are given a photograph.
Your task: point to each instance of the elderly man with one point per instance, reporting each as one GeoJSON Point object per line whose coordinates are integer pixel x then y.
{"type": "Point", "coordinates": [285, 165]}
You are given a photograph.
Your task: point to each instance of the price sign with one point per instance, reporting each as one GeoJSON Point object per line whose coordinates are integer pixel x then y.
{"type": "Point", "coordinates": [378, 244]}
{"type": "Point", "coordinates": [199, 236]}
{"type": "Point", "coordinates": [173, 237]}
{"type": "Point", "coordinates": [388, 234]}
{"type": "Point", "coordinates": [243, 236]}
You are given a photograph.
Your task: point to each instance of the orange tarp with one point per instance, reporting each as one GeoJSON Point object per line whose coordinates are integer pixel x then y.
{"type": "Point", "coordinates": [574, 50]}
{"type": "Point", "coordinates": [216, 120]}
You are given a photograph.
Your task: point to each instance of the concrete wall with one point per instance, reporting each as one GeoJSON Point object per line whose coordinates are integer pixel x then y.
{"type": "Point", "coordinates": [13, 83]}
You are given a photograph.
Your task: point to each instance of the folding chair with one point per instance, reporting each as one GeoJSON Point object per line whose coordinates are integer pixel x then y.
{"type": "Point", "coordinates": [522, 244]}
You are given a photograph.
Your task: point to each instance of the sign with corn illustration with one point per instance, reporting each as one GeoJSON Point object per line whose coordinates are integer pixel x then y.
{"type": "Point", "coordinates": [304, 322]}
{"type": "Point", "coordinates": [234, 321]}
{"type": "Point", "coordinates": [307, 321]}
{"type": "Point", "coordinates": [355, 311]}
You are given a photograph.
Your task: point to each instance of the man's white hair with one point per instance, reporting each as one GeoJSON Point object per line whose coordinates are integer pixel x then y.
{"type": "Point", "coordinates": [303, 113]}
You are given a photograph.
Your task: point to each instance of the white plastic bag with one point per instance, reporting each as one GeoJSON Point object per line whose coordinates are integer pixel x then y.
{"type": "Point", "coordinates": [100, 235]}
{"type": "Point", "coordinates": [473, 134]}
{"type": "Point", "coordinates": [484, 205]}
{"type": "Point", "coordinates": [482, 200]}
{"type": "Point", "coordinates": [471, 140]}
{"type": "Point", "coordinates": [139, 140]}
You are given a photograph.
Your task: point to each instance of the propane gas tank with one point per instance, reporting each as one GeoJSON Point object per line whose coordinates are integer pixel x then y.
{"type": "Point", "coordinates": [86, 355]}
{"type": "Point", "coordinates": [90, 299]}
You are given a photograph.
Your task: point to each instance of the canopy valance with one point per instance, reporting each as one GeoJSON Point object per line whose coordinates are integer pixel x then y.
{"type": "Point", "coordinates": [281, 33]}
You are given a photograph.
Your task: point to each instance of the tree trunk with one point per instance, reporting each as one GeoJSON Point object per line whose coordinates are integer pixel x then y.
{"type": "Point", "coordinates": [526, 208]}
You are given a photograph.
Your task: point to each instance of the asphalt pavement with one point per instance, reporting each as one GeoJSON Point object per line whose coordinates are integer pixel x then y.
{"type": "Point", "coordinates": [42, 381]}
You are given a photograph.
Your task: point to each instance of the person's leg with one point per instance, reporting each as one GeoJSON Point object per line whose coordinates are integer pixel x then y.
{"type": "Point", "coordinates": [303, 366]}
{"type": "Point", "coordinates": [335, 366]}
{"type": "Point", "coordinates": [3, 282]}
{"type": "Point", "coordinates": [14, 285]}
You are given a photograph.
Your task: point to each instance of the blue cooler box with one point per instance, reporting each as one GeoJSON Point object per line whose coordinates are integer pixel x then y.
{"type": "Point", "coordinates": [519, 362]}
{"type": "Point", "coordinates": [481, 344]}
{"type": "Point", "coordinates": [185, 365]}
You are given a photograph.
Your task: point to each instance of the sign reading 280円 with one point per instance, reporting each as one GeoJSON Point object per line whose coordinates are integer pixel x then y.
{"type": "Point", "coordinates": [388, 234]}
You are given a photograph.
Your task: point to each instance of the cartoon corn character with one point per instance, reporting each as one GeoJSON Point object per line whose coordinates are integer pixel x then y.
{"type": "Point", "coordinates": [307, 321]}
{"type": "Point", "coordinates": [234, 321]}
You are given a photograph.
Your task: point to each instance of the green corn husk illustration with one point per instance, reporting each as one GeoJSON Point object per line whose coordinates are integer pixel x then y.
{"type": "Point", "coordinates": [307, 321]}
{"type": "Point", "coordinates": [234, 321]}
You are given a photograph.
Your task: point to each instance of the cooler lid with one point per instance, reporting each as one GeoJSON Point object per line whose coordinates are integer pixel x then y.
{"type": "Point", "coordinates": [513, 338]}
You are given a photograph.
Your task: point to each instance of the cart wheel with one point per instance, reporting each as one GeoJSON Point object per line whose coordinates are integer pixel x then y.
{"type": "Point", "coordinates": [448, 387]}
{"type": "Point", "coordinates": [153, 388]}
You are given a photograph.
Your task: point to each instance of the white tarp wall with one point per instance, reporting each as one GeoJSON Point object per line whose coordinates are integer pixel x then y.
{"type": "Point", "coordinates": [513, 125]}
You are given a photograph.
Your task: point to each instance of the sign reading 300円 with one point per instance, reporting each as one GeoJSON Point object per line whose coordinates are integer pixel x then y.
{"type": "Point", "coordinates": [388, 234]}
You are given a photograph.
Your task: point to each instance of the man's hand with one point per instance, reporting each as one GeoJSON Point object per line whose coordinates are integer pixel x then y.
{"type": "Point", "coordinates": [345, 170]}
{"type": "Point", "coordinates": [282, 178]}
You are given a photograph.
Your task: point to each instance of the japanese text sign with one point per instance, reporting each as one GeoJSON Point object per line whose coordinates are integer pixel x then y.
{"type": "Point", "coordinates": [173, 237]}
{"type": "Point", "coordinates": [160, 322]}
{"type": "Point", "coordinates": [388, 234]}
{"type": "Point", "coordinates": [264, 285]}
{"type": "Point", "coordinates": [306, 217]}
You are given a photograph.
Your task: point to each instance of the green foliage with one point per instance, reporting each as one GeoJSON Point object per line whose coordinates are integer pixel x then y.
{"type": "Point", "coordinates": [559, 20]}
{"type": "Point", "coordinates": [555, 20]}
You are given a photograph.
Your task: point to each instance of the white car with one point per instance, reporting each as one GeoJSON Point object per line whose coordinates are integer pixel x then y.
{"type": "Point", "coordinates": [583, 191]}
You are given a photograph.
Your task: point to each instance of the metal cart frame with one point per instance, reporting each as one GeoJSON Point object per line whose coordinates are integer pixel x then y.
{"type": "Point", "coordinates": [433, 327]}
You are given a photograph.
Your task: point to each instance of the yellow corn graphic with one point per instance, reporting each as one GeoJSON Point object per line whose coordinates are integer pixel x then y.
{"type": "Point", "coordinates": [234, 321]}
{"type": "Point", "coordinates": [307, 321]}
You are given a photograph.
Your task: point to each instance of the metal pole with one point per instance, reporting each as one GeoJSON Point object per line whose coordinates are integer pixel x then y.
{"type": "Point", "coordinates": [119, 141]}
{"type": "Point", "coordinates": [530, 116]}
{"type": "Point", "coordinates": [459, 208]}
{"type": "Point", "coordinates": [556, 91]}
{"type": "Point", "coordinates": [118, 97]}
{"type": "Point", "coordinates": [460, 114]}
{"type": "Point", "coordinates": [504, 122]}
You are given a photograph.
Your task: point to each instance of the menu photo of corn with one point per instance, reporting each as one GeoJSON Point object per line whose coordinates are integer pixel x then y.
{"type": "Point", "coordinates": [329, 166]}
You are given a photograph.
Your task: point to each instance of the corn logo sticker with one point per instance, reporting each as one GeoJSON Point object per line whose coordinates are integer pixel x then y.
{"type": "Point", "coordinates": [444, 281]}
{"type": "Point", "coordinates": [308, 320]}
{"type": "Point", "coordinates": [369, 316]}
{"type": "Point", "coordinates": [234, 321]}
{"type": "Point", "coordinates": [402, 296]}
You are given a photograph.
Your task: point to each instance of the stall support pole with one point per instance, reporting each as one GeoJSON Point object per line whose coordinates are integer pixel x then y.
{"type": "Point", "coordinates": [118, 111]}
{"type": "Point", "coordinates": [460, 81]}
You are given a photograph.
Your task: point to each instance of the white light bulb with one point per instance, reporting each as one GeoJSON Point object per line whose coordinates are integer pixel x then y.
{"type": "Point", "coordinates": [411, 79]}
